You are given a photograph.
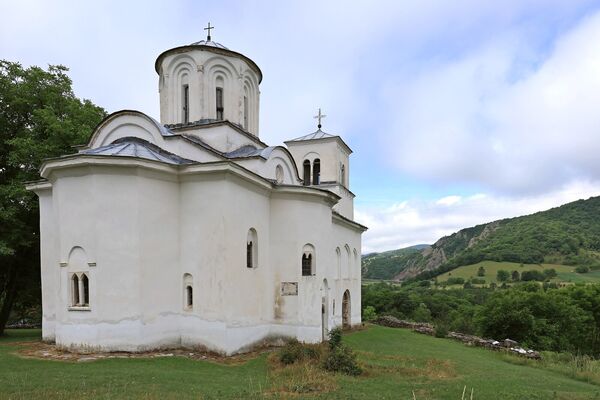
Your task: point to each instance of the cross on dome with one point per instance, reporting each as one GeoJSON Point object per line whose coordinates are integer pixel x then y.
{"type": "Point", "coordinates": [208, 28]}
{"type": "Point", "coordinates": [319, 117]}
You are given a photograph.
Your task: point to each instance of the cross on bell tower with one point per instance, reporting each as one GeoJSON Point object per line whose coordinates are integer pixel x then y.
{"type": "Point", "coordinates": [319, 117]}
{"type": "Point", "coordinates": [208, 28]}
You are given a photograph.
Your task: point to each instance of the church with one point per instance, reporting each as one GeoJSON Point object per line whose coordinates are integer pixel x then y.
{"type": "Point", "coordinates": [193, 232]}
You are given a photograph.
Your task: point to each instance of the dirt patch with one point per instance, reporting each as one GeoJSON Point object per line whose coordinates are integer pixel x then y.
{"type": "Point", "coordinates": [44, 351]}
{"type": "Point", "coordinates": [440, 369]}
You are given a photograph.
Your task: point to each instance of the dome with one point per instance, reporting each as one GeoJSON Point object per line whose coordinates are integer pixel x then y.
{"type": "Point", "coordinates": [209, 43]}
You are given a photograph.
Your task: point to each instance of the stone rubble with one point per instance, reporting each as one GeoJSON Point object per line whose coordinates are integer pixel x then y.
{"type": "Point", "coordinates": [507, 345]}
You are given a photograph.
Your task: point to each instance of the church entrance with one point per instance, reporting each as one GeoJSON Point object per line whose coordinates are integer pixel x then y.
{"type": "Point", "coordinates": [346, 310]}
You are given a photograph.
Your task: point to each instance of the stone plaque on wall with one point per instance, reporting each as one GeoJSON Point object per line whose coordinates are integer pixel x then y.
{"type": "Point", "coordinates": [289, 288]}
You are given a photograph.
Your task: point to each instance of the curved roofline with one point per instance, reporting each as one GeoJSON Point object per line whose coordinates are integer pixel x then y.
{"type": "Point", "coordinates": [216, 50]}
{"type": "Point", "coordinates": [111, 116]}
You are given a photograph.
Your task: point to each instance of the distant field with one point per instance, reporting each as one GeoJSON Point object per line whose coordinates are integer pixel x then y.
{"type": "Point", "coordinates": [397, 362]}
{"type": "Point", "coordinates": [565, 273]}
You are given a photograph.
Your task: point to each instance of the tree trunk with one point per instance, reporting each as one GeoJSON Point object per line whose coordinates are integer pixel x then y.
{"type": "Point", "coordinates": [9, 298]}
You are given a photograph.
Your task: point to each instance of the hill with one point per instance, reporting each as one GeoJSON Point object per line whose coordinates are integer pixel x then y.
{"type": "Point", "coordinates": [567, 235]}
{"type": "Point", "coordinates": [397, 363]}
{"type": "Point", "coordinates": [388, 264]}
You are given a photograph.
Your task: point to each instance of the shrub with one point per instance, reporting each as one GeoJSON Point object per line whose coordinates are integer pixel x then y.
{"type": "Point", "coordinates": [441, 330]}
{"type": "Point", "coordinates": [550, 273]}
{"type": "Point", "coordinates": [533, 275]}
{"type": "Point", "coordinates": [340, 358]}
{"type": "Point", "coordinates": [368, 313]}
{"type": "Point", "coordinates": [291, 352]}
{"type": "Point", "coordinates": [335, 338]}
{"type": "Point", "coordinates": [515, 276]}
{"type": "Point", "coordinates": [481, 271]}
{"type": "Point", "coordinates": [582, 269]}
{"type": "Point", "coordinates": [502, 275]}
{"type": "Point", "coordinates": [455, 281]}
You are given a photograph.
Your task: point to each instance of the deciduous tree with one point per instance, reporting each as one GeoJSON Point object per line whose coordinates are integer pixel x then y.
{"type": "Point", "coordinates": [40, 117]}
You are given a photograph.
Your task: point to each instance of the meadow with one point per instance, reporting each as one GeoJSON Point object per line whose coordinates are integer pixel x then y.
{"type": "Point", "coordinates": [565, 273]}
{"type": "Point", "coordinates": [396, 363]}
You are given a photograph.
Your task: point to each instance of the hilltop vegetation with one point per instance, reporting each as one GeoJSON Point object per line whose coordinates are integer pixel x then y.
{"type": "Point", "coordinates": [388, 264]}
{"type": "Point", "coordinates": [566, 235]}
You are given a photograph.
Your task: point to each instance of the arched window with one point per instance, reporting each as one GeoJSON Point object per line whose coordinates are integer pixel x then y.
{"type": "Point", "coordinates": [85, 296]}
{"type": "Point", "coordinates": [189, 296]}
{"type": "Point", "coordinates": [308, 260]}
{"type": "Point", "coordinates": [347, 263]}
{"type": "Point", "coordinates": [246, 112]}
{"type": "Point", "coordinates": [306, 264]}
{"type": "Point", "coordinates": [75, 290]}
{"type": "Point", "coordinates": [186, 103]}
{"type": "Point", "coordinates": [219, 103]}
{"type": "Point", "coordinates": [306, 166]}
{"type": "Point", "coordinates": [188, 292]}
{"type": "Point", "coordinates": [252, 249]}
{"type": "Point", "coordinates": [343, 174]}
{"type": "Point", "coordinates": [316, 172]}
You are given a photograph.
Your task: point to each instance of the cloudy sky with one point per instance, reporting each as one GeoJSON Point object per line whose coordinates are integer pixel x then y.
{"type": "Point", "coordinates": [458, 112]}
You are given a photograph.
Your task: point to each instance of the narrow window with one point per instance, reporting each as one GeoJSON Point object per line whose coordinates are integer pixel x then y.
{"type": "Point", "coordinates": [86, 290]}
{"type": "Point", "coordinates": [219, 98]}
{"type": "Point", "coordinates": [189, 297]}
{"type": "Point", "coordinates": [249, 255]}
{"type": "Point", "coordinates": [306, 264]}
{"type": "Point", "coordinates": [306, 173]}
{"type": "Point", "coordinates": [252, 249]}
{"type": "Point", "coordinates": [246, 112]}
{"type": "Point", "coordinates": [316, 172]}
{"type": "Point", "coordinates": [186, 104]}
{"type": "Point", "coordinates": [343, 174]}
{"type": "Point", "coordinates": [74, 290]}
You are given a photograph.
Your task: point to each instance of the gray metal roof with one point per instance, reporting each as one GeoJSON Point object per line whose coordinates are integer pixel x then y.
{"type": "Point", "coordinates": [250, 151]}
{"type": "Point", "coordinates": [136, 147]}
{"type": "Point", "coordinates": [209, 43]}
{"type": "Point", "coordinates": [318, 134]}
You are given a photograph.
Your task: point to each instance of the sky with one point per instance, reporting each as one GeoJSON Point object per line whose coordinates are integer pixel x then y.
{"type": "Point", "coordinates": [459, 113]}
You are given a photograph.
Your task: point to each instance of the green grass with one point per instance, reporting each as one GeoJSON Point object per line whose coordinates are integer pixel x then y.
{"type": "Point", "coordinates": [397, 362]}
{"type": "Point", "coordinates": [565, 273]}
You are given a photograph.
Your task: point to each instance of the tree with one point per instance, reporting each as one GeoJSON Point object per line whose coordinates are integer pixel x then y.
{"type": "Point", "coordinates": [502, 275]}
{"type": "Point", "coordinates": [481, 271]}
{"type": "Point", "coordinates": [515, 276]}
{"type": "Point", "coordinates": [40, 117]}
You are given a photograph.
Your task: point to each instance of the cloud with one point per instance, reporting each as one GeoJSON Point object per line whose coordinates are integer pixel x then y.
{"type": "Point", "coordinates": [418, 221]}
{"type": "Point", "coordinates": [501, 118]}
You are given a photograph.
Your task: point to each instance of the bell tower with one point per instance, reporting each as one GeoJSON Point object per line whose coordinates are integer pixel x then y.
{"type": "Point", "coordinates": [323, 161]}
{"type": "Point", "coordinates": [206, 82]}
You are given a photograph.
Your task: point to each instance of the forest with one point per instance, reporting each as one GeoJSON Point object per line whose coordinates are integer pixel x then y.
{"type": "Point", "coordinates": [542, 317]}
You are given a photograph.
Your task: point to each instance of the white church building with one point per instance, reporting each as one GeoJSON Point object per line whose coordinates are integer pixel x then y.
{"type": "Point", "coordinates": [192, 231]}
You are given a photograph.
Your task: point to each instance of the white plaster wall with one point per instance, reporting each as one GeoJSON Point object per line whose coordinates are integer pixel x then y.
{"type": "Point", "coordinates": [49, 264]}
{"type": "Point", "coordinates": [200, 68]}
{"type": "Point", "coordinates": [144, 225]}
{"type": "Point", "coordinates": [330, 152]}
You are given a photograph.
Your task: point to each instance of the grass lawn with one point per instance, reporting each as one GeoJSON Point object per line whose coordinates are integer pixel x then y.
{"type": "Point", "coordinates": [565, 273]}
{"type": "Point", "coordinates": [396, 362]}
